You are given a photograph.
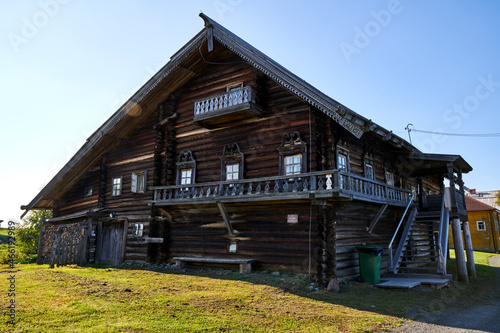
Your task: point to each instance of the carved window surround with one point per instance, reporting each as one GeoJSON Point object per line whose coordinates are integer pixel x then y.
{"type": "Point", "coordinates": [231, 155]}
{"type": "Point", "coordinates": [369, 166]}
{"type": "Point", "coordinates": [186, 162]}
{"type": "Point", "coordinates": [342, 157]}
{"type": "Point", "coordinates": [292, 144]}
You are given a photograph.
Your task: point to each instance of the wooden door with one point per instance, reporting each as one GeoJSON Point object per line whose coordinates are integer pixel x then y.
{"type": "Point", "coordinates": [111, 239]}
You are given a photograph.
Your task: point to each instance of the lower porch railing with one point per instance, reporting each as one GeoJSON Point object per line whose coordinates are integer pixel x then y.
{"type": "Point", "coordinates": [318, 184]}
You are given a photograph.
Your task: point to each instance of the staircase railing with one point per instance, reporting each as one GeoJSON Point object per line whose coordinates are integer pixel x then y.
{"type": "Point", "coordinates": [392, 264]}
{"type": "Point", "coordinates": [443, 235]}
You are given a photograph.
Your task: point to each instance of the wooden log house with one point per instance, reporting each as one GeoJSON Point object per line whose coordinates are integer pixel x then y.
{"type": "Point", "coordinates": [226, 154]}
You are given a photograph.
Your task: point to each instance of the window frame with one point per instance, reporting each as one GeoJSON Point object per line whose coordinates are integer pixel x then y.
{"type": "Point", "coordinates": [369, 163]}
{"type": "Point", "coordinates": [87, 191]}
{"type": "Point", "coordinates": [389, 178]}
{"type": "Point", "coordinates": [292, 144]}
{"type": "Point", "coordinates": [342, 150]}
{"type": "Point", "coordinates": [138, 229]}
{"type": "Point", "coordinates": [186, 161]}
{"type": "Point", "coordinates": [116, 188]}
{"type": "Point", "coordinates": [483, 228]}
{"type": "Point", "coordinates": [293, 164]}
{"type": "Point", "coordinates": [232, 155]}
{"type": "Point", "coordinates": [135, 184]}
{"type": "Point", "coordinates": [187, 178]}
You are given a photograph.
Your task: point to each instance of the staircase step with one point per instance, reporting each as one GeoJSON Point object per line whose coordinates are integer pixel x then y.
{"type": "Point", "coordinates": [418, 269]}
{"type": "Point", "coordinates": [418, 262]}
{"type": "Point", "coordinates": [422, 256]}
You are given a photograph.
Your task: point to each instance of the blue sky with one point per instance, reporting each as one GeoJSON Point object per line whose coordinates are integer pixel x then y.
{"type": "Point", "coordinates": [67, 65]}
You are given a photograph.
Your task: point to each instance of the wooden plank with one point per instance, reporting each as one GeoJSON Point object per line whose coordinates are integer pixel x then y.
{"type": "Point", "coordinates": [155, 240]}
{"type": "Point", "coordinates": [377, 218]}
{"type": "Point", "coordinates": [399, 283]}
{"type": "Point", "coordinates": [225, 217]}
{"type": "Point", "coordinates": [214, 260]}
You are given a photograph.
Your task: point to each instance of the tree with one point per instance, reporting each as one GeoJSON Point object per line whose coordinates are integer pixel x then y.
{"type": "Point", "coordinates": [498, 199]}
{"type": "Point", "coordinates": [29, 230]}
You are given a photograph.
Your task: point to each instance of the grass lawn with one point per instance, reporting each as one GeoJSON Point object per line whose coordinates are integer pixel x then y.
{"type": "Point", "coordinates": [153, 299]}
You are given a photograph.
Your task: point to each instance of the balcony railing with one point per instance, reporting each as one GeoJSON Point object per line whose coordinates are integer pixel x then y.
{"type": "Point", "coordinates": [240, 102]}
{"type": "Point", "coordinates": [321, 184]}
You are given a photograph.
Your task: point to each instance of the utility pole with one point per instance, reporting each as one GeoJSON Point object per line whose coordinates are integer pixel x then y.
{"type": "Point", "coordinates": [409, 130]}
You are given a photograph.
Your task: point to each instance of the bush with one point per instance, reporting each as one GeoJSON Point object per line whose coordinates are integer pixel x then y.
{"type": "Point", "coordinates": [28, 232]}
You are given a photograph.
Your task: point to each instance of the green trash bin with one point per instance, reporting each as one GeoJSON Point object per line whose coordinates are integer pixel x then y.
{"type": "Point", "coordinates": [369, 262]}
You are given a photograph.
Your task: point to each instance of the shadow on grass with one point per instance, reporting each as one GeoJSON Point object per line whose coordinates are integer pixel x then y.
{"type": "Point", "coordinates": [419, 303]}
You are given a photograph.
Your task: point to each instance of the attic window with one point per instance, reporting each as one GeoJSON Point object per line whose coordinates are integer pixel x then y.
{"type": "Point", "coordinates": [87, 192]}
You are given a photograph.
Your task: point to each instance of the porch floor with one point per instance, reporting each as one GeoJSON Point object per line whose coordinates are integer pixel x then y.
{"type": "Point", "coordinates": [410, 282]}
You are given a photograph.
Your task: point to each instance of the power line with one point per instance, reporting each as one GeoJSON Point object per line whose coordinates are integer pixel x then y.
{"type": "Point", "coordinates": [478, 135]}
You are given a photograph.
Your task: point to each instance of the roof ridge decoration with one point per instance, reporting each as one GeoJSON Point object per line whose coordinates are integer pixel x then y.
{"type": "Point", "coordinates": [279, 74]}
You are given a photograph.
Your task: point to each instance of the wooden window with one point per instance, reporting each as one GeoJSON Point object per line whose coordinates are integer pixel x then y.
{"type": "Point", "coordinates": [186, 176]}
{"type": "Point", "coordinates": [138, 230]}
{"type": "Point", "coordinates": [481, 225]}
{"type": "Point", "coordinates": [369, 166]}
{"type": "Point", "coordinates": [87, 192]}
{"type": "Point", "coordinates": [389, 178]}
{"type": "Point", "coordinates": [186, 168]}
{"type": "Point", "coordinates": [293, 154]}
{"type": "Point", "coordinates": [293, 164]}
{"type": "Point", "coordinates": [138, 184]}
{"type": "Point", "coordinates": [232, 247]}
{"type": "Point", "coordinates": [231, 162]}
{"type": "Point", "coordinates": [342, 164]}
{"type": "Point", "coordinates": [232, 171]}
{"type": "Point", "coordinates": [369, 171]}
{"type": "Point", "coordinates": [116, 188]}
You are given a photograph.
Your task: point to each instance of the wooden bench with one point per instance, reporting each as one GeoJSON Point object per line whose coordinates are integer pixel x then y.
{"type": "Point", "coordinates": [245, 264]}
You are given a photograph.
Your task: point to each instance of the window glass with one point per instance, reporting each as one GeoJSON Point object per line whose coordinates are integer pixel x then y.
{"type": "Point", "coordinates": [369, 171]}
{"type": "Point", "coordinates": [141, 184]}
{"type": "Point", "coordinates": [293, 164]}
{"type": "Point", "coordinates": [117, 186]}
{"type": "Point", "coordinates": [88, 191]}
{"type": "Point", "coordinates": [186, 176]}
{"type": "Point", "coordinates": [481, 226]}
{"type": "Point", "coordinates": [389, 178]}
{"type": "Point", "coordinates": [232, 171]}
{"type": "Point", "coordinates": [342, 162]}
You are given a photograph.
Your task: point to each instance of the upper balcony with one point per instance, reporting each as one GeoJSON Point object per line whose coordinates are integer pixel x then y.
{"type": "Point", "coordinates": [233, 105]}
{"type": "Point", "coordinates": [313, 185]}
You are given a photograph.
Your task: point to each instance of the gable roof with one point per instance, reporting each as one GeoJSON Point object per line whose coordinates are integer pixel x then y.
{"type": "Point", "coordinates": [171, 76]}
{"type": "Point", "coordinates": [474, 205]}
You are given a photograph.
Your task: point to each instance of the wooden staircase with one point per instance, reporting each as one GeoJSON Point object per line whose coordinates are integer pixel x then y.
{"type": "Point", "coordinates": [421, 253]}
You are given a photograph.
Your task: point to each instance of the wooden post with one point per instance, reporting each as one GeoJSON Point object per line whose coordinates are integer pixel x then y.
{"type": "Point", "coordinates": [459, 251]}
{"type": "Point", "coordinates": [471, 267]}
{"type": "Point", "coordinates": [124, 240]}
{"type": "Point", "coordinates": [40, 242]}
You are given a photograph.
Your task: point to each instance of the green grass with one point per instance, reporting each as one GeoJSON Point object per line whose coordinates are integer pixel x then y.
{"type": "Point", "coordinates": [134, 299]}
